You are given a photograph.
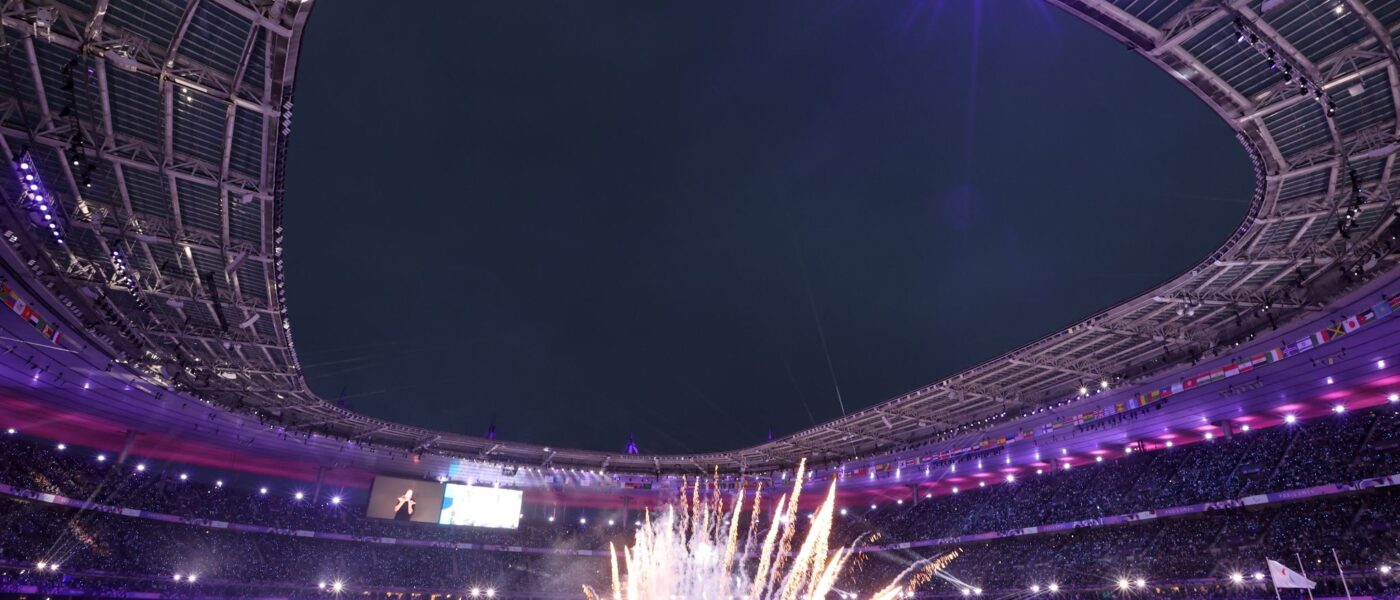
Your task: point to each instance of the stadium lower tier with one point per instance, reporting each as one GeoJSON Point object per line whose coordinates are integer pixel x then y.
{"type": "Point", "coordinates": [1333, 449]}
{"type": "Point", "coordinates": [53, 550]}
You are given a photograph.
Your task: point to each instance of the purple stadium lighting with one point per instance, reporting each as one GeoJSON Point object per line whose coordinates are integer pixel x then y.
{"type": "Point", "coordinates": [35, 196]}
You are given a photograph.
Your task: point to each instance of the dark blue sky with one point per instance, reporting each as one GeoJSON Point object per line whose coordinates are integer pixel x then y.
{"type": "Point", "coordinates": [608, 216]}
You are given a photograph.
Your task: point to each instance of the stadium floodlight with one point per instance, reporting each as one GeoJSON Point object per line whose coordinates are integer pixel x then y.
{"type": "Point", "coordinates": [1258, 576]}
{"type": "Point", "coordinates": [1170, 443]}
{"type": "Point", "coordinates": [101, 458]}
{"type": "Point", "coordinates": [1385, 569]}
{"type": "Point", "coordinates": [1290, 419]}
{"type": "Point", "coordinates": [262, 490]}
{"type": "Point", "coordinates": [636, 523]}
{"type": "Point", "coordinates": [335, 499]}
{"type": "Point", "coordinates": [476, 592]}
{"type": "Point", "coordinates": [321, 585]}
{"type": "Point", "coordinates": [337, 586]}
{"type": "Point", "coordinates": [1083, 391]}
{"type": "Point", "coordinates": [1123, 584]}
{"type": "Point", "coordinates": [184, 477]}
{"type": "Point", "coordinates": [583, 520]}
{"type": "Point", "coordinates": [1380, 364]}
{"type": "Point", "coordinates": [872, 507]}
{"type": "Point", "coordinates": [219, 483]}
{"type": "Point", "coordinates": [1329, 381]}
{"type": "Point", "coordinates": [843, 512]}
{"type": "Point", "coordinates": [967, 591]}
{"type": "Point", "coordinates": [1392, 398]}
{"type": "Point", "coordinates": [178, 577]}
{"type": "Point", "coordinates": [976, 591]}
{"type": "Point", "coordinates": [610, 522]}
{"type": "Point", "coordinates": [981, 484]}
{"type": "Point", "coordinates": [1035, 588]}
{"type": "Point", "coordinates": [11, 431]}
{"type": "Point", "coordinates": [1011, 478]}
{"type": "Point", "coordinates": [1140, 583]}
{"type": "Point", "coordinates": [1054, 587]}
{"type": "Point", "coordinates": [1098, 459]}
{"type": "Point", "coordinates": [298, 495]}
{"type": "Point", "coordinates": [141, 468]}
{"type": "Point", "coordinates": [1210, 436]}
{"type": "Point", "coordinates": [955, 489]}
{"type": "Point", "coordinates": [1236, 578]}
{"type": "Point", "coordinates": [490, 592]}
{"type": "Point", "coordinates": [1339, 408]}
{"type": "Point", "coordinates": [192, 578]}
{"type": "Point", "coordinates": [1068, 466]}
{"type": "Point", "coordinates": [1039, 471]}
{"type": "Point", "coordinates": [1244, 428]}
{"type": "Point", "coordinates": [551, 518]}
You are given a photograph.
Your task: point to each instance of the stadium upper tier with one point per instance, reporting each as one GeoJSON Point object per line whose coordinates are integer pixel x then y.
{"type": "Point", "coordinates": [161, 126]}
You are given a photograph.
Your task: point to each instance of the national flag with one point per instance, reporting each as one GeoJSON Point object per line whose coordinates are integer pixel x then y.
{"type": "Point", "coordinates": [1352, 324]}
{"type": "Point", "coordinates": [1285, 577]}
{"type": "Point", "coordinates": [1337, 330]}
{"type": "Point", "coordinates": [1394, 302]}
{"type": "Point", "coordinates": [1120, 407]}
{"type": "Point", "coordinates": [1275, 355]}
{"type": "Point", "coordinates": [1189, 383]}
{"type": "Point", "coordinates": [1382, 309]}
{"type": "Point", "coordinates": [1176, 388]}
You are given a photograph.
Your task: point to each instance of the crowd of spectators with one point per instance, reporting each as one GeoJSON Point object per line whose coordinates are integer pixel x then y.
{"type": "Point", "coordinates": [1185, 556]}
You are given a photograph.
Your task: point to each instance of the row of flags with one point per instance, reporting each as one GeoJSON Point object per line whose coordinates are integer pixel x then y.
{"type": "Point", "coordinates": [28, 313]}
{"type": "Point", "coordinates": [1317, 338]}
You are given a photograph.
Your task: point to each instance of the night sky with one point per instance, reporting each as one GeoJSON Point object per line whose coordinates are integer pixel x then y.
{"type": "Point", "coordinates": [696, 220]}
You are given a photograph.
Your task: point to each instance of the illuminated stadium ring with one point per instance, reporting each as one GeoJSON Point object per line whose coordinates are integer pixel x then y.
{"type": "Point", "coordinates": [1316, 113]}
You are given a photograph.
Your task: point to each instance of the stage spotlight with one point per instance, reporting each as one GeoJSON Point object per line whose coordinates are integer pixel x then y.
{"type": "Point", "coordinates": [192, 578]}
{"type": "Point", "coordinates": [1258, 576]}
{"type": "Point", "coordinates": [1098, 459]}
{"type": "Point", "coordinates": [1054, 587]}
{"type": "Point", "coordinates": [321, 585]}
{"type": "Point", "coordinates": [1339, 409]}
{"type": "Point", "coordinates": [1123, 584]}
{"type": "Point", "coordinates": [490, 592]}
{"type": "Point", "coordinates": [1035, 589]}
{"type": "Point", "coordinates": [178, 577]}
{"type": "Point", "coordinates": [1392, 398]}
{"type": "Point", "coordinates": [1290, 419]}
{"type": "Point", "coordinates": [1236, 578]}
{"type": "Point", "coordinates": [337, 586]}
{"type": "Point", "coordinates": [1244, 428]}
{"type": "Point", "coordinates": [298, 495]}
{"type": "Point", "coordinates": [1210, 436]}
{"type": "Point", "coordinates": [335, 499]}
{"type": "Point", "coordinates": [967, 591]}
{"type": "Point", "coordinates": [1140, 583]}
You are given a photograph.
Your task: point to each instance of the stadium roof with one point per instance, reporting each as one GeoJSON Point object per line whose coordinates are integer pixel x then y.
{"type": "Point", "coordinates": [178, 114]}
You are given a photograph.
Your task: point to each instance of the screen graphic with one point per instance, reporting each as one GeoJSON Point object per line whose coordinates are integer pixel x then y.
{"type": "Point", "coordinates": [477, 506]}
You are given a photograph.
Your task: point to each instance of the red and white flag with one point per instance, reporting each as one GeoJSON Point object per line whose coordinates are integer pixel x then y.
{"type": "Point", "coordinates": [1285, 577]}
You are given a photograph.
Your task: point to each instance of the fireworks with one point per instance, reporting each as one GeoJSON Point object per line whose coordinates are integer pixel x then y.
{"type": "Point", "coordinates": [693, 550]}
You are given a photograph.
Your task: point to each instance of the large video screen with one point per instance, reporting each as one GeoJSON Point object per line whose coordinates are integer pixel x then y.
{"type": "Point", "coordinates": [405, 500]}
{"type": "Point", "coordinates": [478, 506]}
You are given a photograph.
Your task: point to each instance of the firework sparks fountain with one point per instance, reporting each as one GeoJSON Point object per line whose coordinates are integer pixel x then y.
{"type": "Point", "coordinates": [693, 550]}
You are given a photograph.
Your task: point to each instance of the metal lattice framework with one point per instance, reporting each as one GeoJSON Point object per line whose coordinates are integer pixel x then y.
{"type": "Point", "coordinates": [178, 113]}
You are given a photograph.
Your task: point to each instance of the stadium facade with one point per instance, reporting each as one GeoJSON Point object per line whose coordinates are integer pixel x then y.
{"type": "Point", "coordinates": [149, 295]}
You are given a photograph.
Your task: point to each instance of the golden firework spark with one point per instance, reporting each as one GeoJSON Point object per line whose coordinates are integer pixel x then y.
{"type": "Point", "coordinates": [693, 551]}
